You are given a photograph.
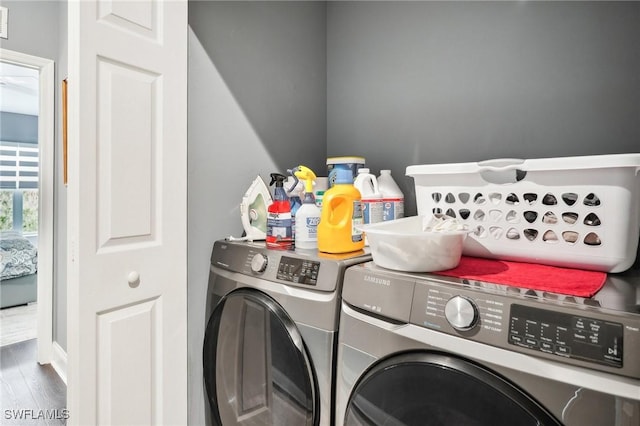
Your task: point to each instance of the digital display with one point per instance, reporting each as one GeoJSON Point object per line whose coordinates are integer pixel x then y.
{"type": "Point", "coordinates": [566, 335]}
{"type": "Point", "coordinates": [298, 271]}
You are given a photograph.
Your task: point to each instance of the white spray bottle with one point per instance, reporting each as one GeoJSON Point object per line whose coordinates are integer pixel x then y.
{"type": "Point", "coordinates": [308, 215]}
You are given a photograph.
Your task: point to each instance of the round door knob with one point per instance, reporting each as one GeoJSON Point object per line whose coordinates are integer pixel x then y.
{"type": "Point", "coordinates": [461, 313]}
{"type": "Point", "coordinates": [133, 278]}
{"type": "Point", "coordinates": [259, 263]}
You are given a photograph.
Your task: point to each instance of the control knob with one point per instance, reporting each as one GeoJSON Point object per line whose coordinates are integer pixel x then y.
{"type": "Point", "coordinates": [259, 263]}
{"type": "Point", "coordinates": [461, 313]}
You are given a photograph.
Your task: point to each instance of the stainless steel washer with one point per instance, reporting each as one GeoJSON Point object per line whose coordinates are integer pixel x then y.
{"type": "Point", "coordinates": [270, 342]}
{"type": "Point", "coordinates": [422, 349]}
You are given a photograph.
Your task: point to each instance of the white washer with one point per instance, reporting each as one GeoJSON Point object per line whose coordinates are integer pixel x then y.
{"type": "Point", "coordinates": [422, 349]}
{"type": "Point", "coordinates": [270, 342]}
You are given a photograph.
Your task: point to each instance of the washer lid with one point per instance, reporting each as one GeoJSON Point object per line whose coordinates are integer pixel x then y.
{"type": "Point", "coordinates": [256, 367]}
{"type": "Point", "coordinates": [426, 388]}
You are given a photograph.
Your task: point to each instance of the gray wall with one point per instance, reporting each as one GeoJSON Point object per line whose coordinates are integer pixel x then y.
{"type": "Point", "coordinates": [38, 28]}
{"type": "Point", "coordinates": [33, 27]}
{"type": "Point", "coordinates": [439, 82]}
{"type": "Point", "coordinates": [257, 104]}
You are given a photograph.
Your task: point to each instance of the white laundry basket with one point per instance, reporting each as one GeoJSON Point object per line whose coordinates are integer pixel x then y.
{"type": "Point", "coordinates": [578, 212]}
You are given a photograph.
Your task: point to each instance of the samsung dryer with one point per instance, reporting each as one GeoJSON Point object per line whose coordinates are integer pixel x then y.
{"type": "Point", "coordinates": [270, 342]}
{"type": "Point", "coordinates": [422, 350]}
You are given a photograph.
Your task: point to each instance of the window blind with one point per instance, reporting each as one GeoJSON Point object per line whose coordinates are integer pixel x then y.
{"type": "Point", "coordinates": [19, 165]}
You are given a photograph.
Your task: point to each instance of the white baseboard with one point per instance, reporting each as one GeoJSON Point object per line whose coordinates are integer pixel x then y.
{"type": "Point", "coordinates": [59, 361]}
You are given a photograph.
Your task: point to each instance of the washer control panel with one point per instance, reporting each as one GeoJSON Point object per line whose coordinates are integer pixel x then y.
{"type": "Point", "coordinates": [566, 335]}
{"type": "Point", "coordinates": [299, 271]}
{"type": "Point", "coordinates": [568, 332]}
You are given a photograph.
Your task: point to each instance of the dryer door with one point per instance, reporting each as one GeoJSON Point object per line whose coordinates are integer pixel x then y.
{"type": "Point", "coordinates": [428, 389]}
{"type": "Point", "coordinates": [256, 367]}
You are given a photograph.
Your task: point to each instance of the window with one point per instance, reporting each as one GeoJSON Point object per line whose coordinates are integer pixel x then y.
{"type": "Point", "coordinates": [19, 151]}
{"type": "Point", "coordinates": [19, 187]}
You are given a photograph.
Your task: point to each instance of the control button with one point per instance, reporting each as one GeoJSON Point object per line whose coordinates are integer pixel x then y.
{"type": "Point", "coordinates": [461, 313]}
{"type": "Point", "coordinates": [546, 347]}
{"type": "Point", "coordinates": [531, 342]}
{"type": "Point", "coordinates": [259, 263]}
{"type": "Point", "coordinates": [595, 326]}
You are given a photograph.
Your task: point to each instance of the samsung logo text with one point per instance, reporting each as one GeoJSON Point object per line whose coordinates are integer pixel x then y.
{"type": "Point", "coordinates": [377, 280]}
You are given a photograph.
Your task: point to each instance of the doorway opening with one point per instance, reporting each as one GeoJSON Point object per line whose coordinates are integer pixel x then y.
{"type": "Point", "coordinates": [26, 190]}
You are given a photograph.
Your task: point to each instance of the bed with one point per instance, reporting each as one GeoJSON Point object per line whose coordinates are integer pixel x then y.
{"type": "Point", "coordinates": [18, 270]}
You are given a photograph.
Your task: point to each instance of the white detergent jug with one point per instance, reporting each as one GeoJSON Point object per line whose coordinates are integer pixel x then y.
{"type": "Point", "coordinates": [392, 196]}
{"type": "Point", "coordinates": [372, 204]}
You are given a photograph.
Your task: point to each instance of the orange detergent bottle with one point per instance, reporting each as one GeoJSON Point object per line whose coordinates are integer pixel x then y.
{"type": "Point", "coordinates": [341, 212]}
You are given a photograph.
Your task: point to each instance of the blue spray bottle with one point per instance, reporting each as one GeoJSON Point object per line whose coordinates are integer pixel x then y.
{"type": "Point", "coordinates": [293, 192]}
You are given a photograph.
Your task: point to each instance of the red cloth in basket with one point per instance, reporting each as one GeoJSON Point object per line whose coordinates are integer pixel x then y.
{"type": "Point", "coordinates": [572, 282]}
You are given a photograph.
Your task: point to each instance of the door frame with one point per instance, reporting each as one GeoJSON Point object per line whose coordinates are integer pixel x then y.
{"type": "Point", "coordinates": [46, 148]}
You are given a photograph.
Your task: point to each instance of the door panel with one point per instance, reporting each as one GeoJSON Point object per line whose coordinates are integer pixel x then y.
{"type": "Point", "coordinates": [127, 153]}
{"type": "Point", "coordinates": [140, 17]}
{"type": "Point", "coordinates": [128, 371]}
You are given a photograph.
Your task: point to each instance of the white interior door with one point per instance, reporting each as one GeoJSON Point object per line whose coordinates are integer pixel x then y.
{"type": "Point", "coordinates": [127, 98]}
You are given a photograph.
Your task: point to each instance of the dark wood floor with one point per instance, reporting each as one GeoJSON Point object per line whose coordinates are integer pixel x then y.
{"type": "Point", "coordinates": [30, 393]}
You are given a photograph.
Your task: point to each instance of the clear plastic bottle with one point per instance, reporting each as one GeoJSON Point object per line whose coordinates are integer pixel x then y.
{"type": "Point", "coordinates": [341, 212]}
{"type": "Point", "coordinates": [392, 196]}
{"type": "Point", "coordinates": [308, 215]}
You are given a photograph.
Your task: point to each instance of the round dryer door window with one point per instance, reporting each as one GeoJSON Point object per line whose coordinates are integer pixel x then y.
{"type": "Point", "coordinates": [256, 367]}
{"type": "Point", "coordinates": [434, 389]}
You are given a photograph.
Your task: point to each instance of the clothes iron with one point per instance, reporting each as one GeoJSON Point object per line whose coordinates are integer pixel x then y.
{"type": "Point", "coordinates": [253, 211]}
